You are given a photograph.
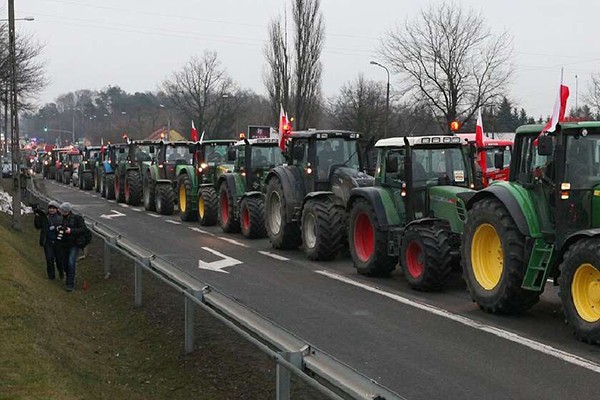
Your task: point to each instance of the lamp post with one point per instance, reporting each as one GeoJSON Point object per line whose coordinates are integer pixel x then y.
{"type": "Point", "coordinates": [387, 97]}
{"type": "Point", "coordinates": [168, 120]}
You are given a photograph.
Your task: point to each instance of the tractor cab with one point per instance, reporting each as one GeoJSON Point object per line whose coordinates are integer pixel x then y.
{"type": "Point", "coordinates": [255, 158]}
{"type": "Point", "coordinates": [173, 154]}
{"type": "Point", "coordinates": [212, 157]}
{"type": "Point", "coordinates": [141, 151]}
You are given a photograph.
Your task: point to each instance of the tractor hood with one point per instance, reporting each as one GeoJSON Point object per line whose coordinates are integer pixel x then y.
{"type": "Point", "coordinates": [445, 203]}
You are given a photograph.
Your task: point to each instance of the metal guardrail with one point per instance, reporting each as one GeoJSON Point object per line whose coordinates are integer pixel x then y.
{"type": "Point", "coordinates": [291, 354]}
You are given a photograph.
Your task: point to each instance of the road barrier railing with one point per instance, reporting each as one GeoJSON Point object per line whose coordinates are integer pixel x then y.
{"type": "Point", "coordinates": [291, 354]}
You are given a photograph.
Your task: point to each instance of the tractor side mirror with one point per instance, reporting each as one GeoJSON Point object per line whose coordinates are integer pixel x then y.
{"type": "Point", "coordinates": [391, 164]}
{"type": "Point", "coordinates": [151, 149]}
{"type": "Point", "coordinates": [192, 148]}
{"type": "Point", "coordinates": [231, 154]}
{"type": "Point", "coordinates": [545, 146]}
{"type": "Point", "coordinates": [298, 153]}
{"type": "Point", "coordinates": [499, 160]}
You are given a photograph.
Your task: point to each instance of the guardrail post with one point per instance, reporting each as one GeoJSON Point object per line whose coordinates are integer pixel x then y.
{"type": "Point", "coordinates": [138, 265]}
{"type": "Point", "coordinates": [189, 321]}
{"type": "Point", "coordinates": [284, 381]}
{"type": "Point", "coordinates": [107, 244]}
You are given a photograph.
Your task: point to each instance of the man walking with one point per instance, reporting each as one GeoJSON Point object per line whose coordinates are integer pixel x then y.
{"type": "Point", "coordinates": [48, 223]}
{"type": "Point", "coordinates": [69, 234]}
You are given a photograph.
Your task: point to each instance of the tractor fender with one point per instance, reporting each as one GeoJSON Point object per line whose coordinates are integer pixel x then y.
{"type": "Point", "coordinates": [229, 180]}
{"type": "Point", "coordinates": [322, 195]}
{"type": "Point", "coordinates": [163, 181]}
{"type": "Point", "coordinates": [132, 168]}
{"type": "Point", "coordinates": [574, 237]}
{"type": "Point", "coordinates": [153, 173]}
{"type": "Point", "coordinates": [292, 183]}
{"type": "Point", "coordinates": [252, 194]}
{"type": "Point", "coordinates": [189, 171]}
{"type": "Point", "coordinates": [385, 210]}
{"type": "Point", "coordinates": [507, 198]}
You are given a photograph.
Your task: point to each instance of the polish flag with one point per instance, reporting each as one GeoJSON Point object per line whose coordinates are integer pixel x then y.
{"type": "Point", "coordinates": [194, 133]}
{"type": "Point", "coordinates": [558, 113]}
{"type": "Point", "coordinates": [284, 127]}
{"type": "Point", "coordinates": [479, 142]}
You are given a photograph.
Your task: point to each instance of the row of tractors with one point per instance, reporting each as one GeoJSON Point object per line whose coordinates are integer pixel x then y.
{"type": "Point", "coordinates": [421, 209]}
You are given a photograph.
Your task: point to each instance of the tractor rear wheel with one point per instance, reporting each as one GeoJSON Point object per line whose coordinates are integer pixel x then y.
{"type": "Point", "coordinates": [149, 189]}
{"type": "Point", "coordinates": [227, 219]}
{"type": "Point", "coordinates": [208, 206]}
{"type": "Point", "coordinates": [133, 187]}
{"type": "Point", "coordinates": [322, 229]}
{"type": "Point", "coordinates": [368, 245]}
{"type": "Point", "coordinates": [109, 186]}
{"type": "Point", "coordinates": [425, 257]}
{"type": "Point", "coordinates": [580, 289]}
{"type": "Point", "coordinates": [186, 208]}
{"type": "Point", "coordinates": [52, 172]}
{"type": "Point", "coordinates": [67, 178]}
{"type": "Point", "coordinates": [87, 182]}
{"type": "Point", "coordinates": [119, 188]}
{"type": "Point", "coordinates": [165, 198]}
{"type": "Point", "coordinates": [494, 259]}
{"type": "Point", "coordinates": [97, 181]}
{"type": "Point", "coordinates": [282, 234]}
{"type": "Point", "coordinates": [252, 217]}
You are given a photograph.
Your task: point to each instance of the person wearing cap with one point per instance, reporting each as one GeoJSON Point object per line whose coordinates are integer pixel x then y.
{"type": "Point", "coordinates": [71, 229]}
{"type": "Point", "coordinates": [47, 223]}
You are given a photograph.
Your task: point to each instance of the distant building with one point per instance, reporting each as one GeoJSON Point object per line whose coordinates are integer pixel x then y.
{"type": "Point", "coordinates": [161, 134]}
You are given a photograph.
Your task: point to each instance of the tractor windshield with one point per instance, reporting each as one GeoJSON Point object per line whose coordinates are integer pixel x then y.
{"type": "Point", "coordinates": [216, 154]}
{"type": "Point", "coordinates": [440, 166]}
{"type": "Point", "coordinates": [143, 153]}
{"type": "Point", "coordinates": [266, 157]}
{"type": "Point", "coordinates": [179, 155]}
{"type": "Point", "coordinates": [75, 158]}
{"type": "Point", "coordinates": [492, 150]}
{"type": "Point", "coordinates": [334, 152]}
{"type": "Point", "coordinates": [582, 161]}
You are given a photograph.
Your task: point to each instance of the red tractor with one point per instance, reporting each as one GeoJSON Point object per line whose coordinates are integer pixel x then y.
{"type": "Point", "coordinates": [490, 147]}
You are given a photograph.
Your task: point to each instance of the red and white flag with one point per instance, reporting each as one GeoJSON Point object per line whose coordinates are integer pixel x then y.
{"type": "Point", "coordinates": [284, 127]}
{"type": "Point", "coordinates": [194, 133]}
{"type": "Point", "coordinates": [558, 113]}
{"type": "Point", "coordinates": [479, 142]}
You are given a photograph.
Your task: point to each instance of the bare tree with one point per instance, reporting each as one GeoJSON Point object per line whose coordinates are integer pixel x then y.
{"type": "Point", "coordinates": [593, 95]}
{"type": "Point", "coordinates": [202, 91]}
{"type": "Point", "coordinates": [451, 61]}
{"type": "Point", "coordinates": [298, 90]}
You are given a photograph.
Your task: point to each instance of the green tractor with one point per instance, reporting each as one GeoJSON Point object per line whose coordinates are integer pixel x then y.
{"type": "Point", "coordinates": [71, 161]}
{"type": "Point", "coordinates": [87, 168]}
{"type": "Point", "coordinates": [544, 222]}
{"type": "Point", "coordinates": [128, 173]}
{"type": "Point", "coordinates": [196, 183]}
{"type": "Point", "coordinates": [414, 213]}
{"type": "Point", "coordinates": [113, 155]}
{"type": "Point", "coordinates": [159, 175]}
{"type": "Point", "coordinates": [241, 192]}
{"type": "Point", "coordinates": [306, 199]}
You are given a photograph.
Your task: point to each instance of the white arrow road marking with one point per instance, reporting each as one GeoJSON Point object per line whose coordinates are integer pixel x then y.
{"type": "Point", "coordinates": [114, 214]}
{"type": "Point", "coordinates": [94, 195]}
{"type": "Point", "coordinates": [501, 333]}
{"type": "Point", "coordinates": [275, 256]}
{"type": "Point", "coordinates": [218, 265]}
{"type": "Point", "coordinates": [111, 201]}
{"type": "Point", "coordinates": [201, 231]}
{"type": "Point", "coordinates": [136, 209]}
{"type": "Point", "coordinates": [153, 215]}
{"type": "Point", "coordinates": [123, 205]}
{"type": "Point", "coordinates": [173, 222]}
{"type": "Point", "coordinates": [232, 241]}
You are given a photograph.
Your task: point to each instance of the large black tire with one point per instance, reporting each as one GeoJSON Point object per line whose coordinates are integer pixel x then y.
{"type": "Point", "coordinates": [323, 229]}
{"type": "Point", "coordinates": [58, 175]}
{"type": "Point", "coordinates": [282, 234]}
{"type": "Point", "coordinates": [580, 289]}
{"type": "Point", "coordinates": [109, 186]}
{"type": "Point", "coordinates": [87, 182]}
{"type": "Point", "coordinates": [229, 223]}
{"type": "Point", "coordinates": [133, 187]}
{"type": "Point", "coordinates": [208, 206]}
{"type": "Point", "coordinates": [119, 188]}
{"type": "Point", "coordinates": [67, 178]}
{"type": "Point", "coordinates": [252, 217]}
{"type": "Point", "coordinates": [368, 245]}
{"type": "Point", "coordinates": [97, 181]}
{"type": "Point", "coordinates": [103, 185]}
{"type": "Point", "coordinates": [149, 193]}
{"type": "Point", "coordinates": [495, 282]}
{"type": "Point", "coordinates": [425, 257]}
{"type": "Point", "coordinates": [187, 211]}
{"type": "Point", "coordinates": [52, 172]}
{"type": "Point", "coordinates": [165, 199]}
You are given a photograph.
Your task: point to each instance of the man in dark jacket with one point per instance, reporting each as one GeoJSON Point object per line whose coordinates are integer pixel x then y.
{"type": "Point", "coordinates": [48, 223]}
{"type": "Point", "coordinates": [68, 237]}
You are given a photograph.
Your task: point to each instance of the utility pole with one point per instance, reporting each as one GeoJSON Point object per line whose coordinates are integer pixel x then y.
{"type": "Point", "coordinates": [14, 117]}
{"type": "Point", "coordinates": [387, 97]}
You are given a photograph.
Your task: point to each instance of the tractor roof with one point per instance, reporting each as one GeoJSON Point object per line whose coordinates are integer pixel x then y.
{"type": "Point", "coordinates": [93, 147]}
{"type": "Point", "coordinates": [325, 134]}
{"type": "Point", "coordinates": [259, 141]}
{"type": "Point", "coordinates": [218, 141]}
{"type": "Point", "coordinates": [537, 128]}
{"type": "Point", "coordinates": [487, 141]}
{"type": "Point", "coordinates": [434, 140]}
{"type": "Point", "coordinates": [142, 142]}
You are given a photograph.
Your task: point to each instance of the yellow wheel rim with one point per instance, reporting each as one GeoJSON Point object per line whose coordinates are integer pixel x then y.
{"type": "Point", "coordinates": [182, 198]}
{"type": "Point", "coordinates": [585, 291]}
{"type": "Point", "coordinates": [487, 256]}
{"type": "Point", "coordinates": [201, 207]}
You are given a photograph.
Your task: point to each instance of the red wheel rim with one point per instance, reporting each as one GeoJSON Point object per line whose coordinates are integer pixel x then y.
{"type": "Point", "coordinates": [224, 208]}
{"type": "Point", "coordinates": [364, 237]}
{"type": "Point", "coordinates": [245, 219]}
{"type": "Point", "coordinates": [414, 259]}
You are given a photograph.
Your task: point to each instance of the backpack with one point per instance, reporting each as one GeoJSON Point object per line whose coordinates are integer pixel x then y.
{"type": "Point", "coordinates": [86, 236]}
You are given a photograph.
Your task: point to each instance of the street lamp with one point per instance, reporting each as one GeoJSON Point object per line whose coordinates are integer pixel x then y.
{"type": "Point", "coordinates": [387, 97]}
{"type": "Point", "coordinates": [168, 120]}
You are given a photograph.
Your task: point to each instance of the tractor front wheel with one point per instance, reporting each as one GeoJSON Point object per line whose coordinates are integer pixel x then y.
{"type": "Point", "coordinates": [580, 289]}
{"type": "Point", "coordinates": [186, 208]}
{"type": "Point", "coordinates": [165, 199]}
{"type": "Point", "coordinates": [322, 229]}
{"type": "Point", "coordinates": [252, 219]}
{"type": "Point", "coordinates": [227, 219]}
{"type": "Point", "coordinates": [425, 257]}
{"type": "Point", "coordinates": [87, 181]}
{"type": "Point", "coordinates": [67, 178]}
{"type": "Point", "coordinates": [149, 193]}
{"type": "Point", "coordinates": [133, 188]}
{"type": "Point", "coordinates": [109, 186]}
{"type": "Point", "coordinates": [494, 261]}
{"type": "Point", "coordinates": [208, 206]}
{"type": "Point", "coordinates": [282, 234]}
{"type": "Point", "coordinates": [119, 188]}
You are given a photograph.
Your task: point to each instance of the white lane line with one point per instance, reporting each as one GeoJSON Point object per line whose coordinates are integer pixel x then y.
{"type": "Point", "coordinates": [232, 241]}
{"type": "Point", "coordinates": [94, 195]}
{"type": "Point", "coordinates": [153, 215]}
{"type": "Point", "coordinates": [273, 255]}
{"type": "Point", "coordinates": [123, 205]}
{"type": "Point", "coordinates": [193, 228]}
{"type": "Point", "coordinates": [136, 209]}
{"type": "Point", "coordinates": [501, 333]}
{"type": "Point", "coordinates": [173, 222]}
{"type": "Point", "coordinates": [111, 201]}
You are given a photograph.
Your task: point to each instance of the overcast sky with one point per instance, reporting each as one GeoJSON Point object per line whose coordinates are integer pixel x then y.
{"type": "Point", "coordinates": [136, 44]}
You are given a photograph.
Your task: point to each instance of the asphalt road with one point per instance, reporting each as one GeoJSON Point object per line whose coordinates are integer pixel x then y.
{"type": "Point", "coordinates": [421, 345]}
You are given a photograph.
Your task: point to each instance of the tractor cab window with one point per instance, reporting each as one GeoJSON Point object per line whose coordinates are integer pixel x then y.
{"type": "Point", "coordinates": [533, 166]}
{"type": "Point", "coordinates": [215, 155]}
{"type": "Point", "coordinates": [142, 153]}
{"type": "Point", "coordinates": [490, 153]}
{"type": "Point", "coordinates": [120, 155]}
{"type": "Point", "coordinates": [266, 157]}
{"type": "Point", "coordinates": [75, 158]}
{"type": "Point", "coordinates": [393, 173]}
{"type": "Point", "coordinates": [582, 161]}
{"type": "Point", "coordinates": [335, 153]}
{"type": "Point", "coordinates": [439, 166]}
{"type": "Point", "coordinates": [178, 155]}
{"type": "Point", "coordinates": [299, 152]}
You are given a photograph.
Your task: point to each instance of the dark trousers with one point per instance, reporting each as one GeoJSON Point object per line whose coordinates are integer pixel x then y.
{"type": "Point", "coordinates": [52, 259]}
{"type": "Point", "coordinates": [68, 257]}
